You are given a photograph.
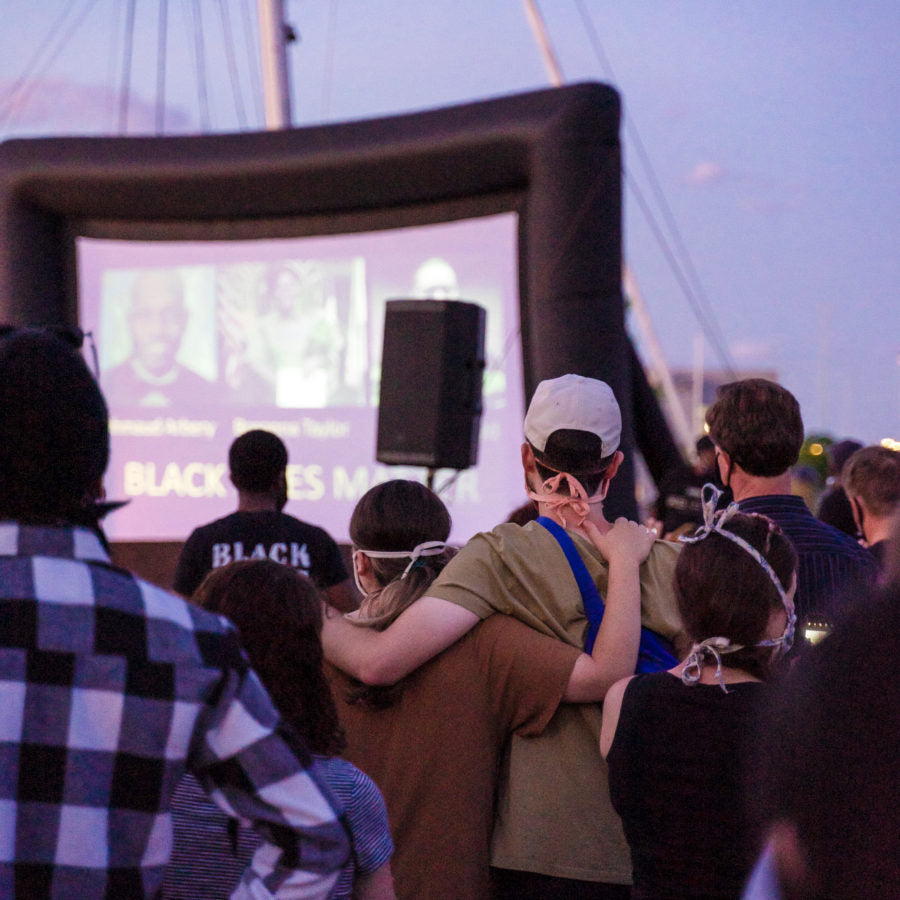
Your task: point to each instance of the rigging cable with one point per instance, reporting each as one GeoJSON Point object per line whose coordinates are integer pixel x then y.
{"type": "Point", "coordinates": [328, 74]}
{"type": "Point", "coordinates": [232, 66]}
{"type": "Point", "coordinates": [199, 58]}
{"type": "Point", "coordinates": [685, 272]}
{"type": "Point", "coordinates": [25, 85]}
{"type": "Point", "coordinates": [113, 61]}
{"type": "Point", "coordinates": [125, 90]}
{"type": "Point", "coordinates": [161, 36]}
{"type": "Point", "coordinates": [253, 66]}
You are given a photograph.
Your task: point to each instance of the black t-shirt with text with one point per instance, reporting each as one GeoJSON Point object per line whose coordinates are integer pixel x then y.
{"type": "Point", "coordinates": [259, 535]}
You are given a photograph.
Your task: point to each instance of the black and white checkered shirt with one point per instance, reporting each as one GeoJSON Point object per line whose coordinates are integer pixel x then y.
{"type": "Point", "coordinates": [109, 689]}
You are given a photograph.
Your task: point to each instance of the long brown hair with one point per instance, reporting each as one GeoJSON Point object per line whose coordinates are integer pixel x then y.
{"type": "Point", "coordinates": [397, 515]}
{"type": "Point", "coordinates": [278, 614]}
{"type": "Point", "coordinates": [723, 591]}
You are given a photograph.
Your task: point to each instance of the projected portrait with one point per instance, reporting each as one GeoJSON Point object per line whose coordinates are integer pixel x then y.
{"type": "Point", "coordinates": [436, 279]}
{"type": "Point", "coordinates": [151, 328]}
{"type": "Point", "coordinates": [293, 332]}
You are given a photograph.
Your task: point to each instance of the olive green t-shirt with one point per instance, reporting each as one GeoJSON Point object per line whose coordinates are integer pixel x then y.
{"type": "Point", "coordinates": [554, 815]}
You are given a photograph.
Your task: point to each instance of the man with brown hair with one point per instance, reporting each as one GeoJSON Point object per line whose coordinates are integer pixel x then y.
{"type": "Point", "coordinates": [758, 431]}
{"type": "Point", "coordinates": [872, 482]}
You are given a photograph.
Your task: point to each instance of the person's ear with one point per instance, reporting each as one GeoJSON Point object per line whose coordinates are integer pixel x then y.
{"type": "Point", "coordinates": [529, 466]}
{"type": "Point", "coordinates": [613, 467]}
{"type": "Point", "coordinates": [859, 515]}
{"type": "Point", "coordinates": [723, 463]}
{"type": "Point", "coordinates": [611, 470]}
{"type": "Point", "coordinates": [363, 564]}
{"type": "Point", "coordinates": [528, 461]}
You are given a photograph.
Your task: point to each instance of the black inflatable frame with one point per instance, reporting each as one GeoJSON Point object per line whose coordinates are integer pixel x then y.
{"type": "Point", "coordinates": [552, 156]}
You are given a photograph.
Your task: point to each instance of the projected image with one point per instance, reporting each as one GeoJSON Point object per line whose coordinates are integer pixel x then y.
{"type": "Point", "coordinates": [293, 333]}
{"type": "Point", "coordinates": [200, 342]}
{"type": "Point", "coordinates": [157, 337]}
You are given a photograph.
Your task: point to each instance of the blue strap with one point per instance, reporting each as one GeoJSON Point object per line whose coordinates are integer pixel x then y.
{"type": "Point", "coordinates": [594, 607]}
{"type": "Point", "coordinates": [654, 652]}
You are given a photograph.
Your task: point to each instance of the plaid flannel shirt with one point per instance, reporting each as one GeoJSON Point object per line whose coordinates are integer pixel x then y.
{"type": "Point", "coordinates": [110, 689]}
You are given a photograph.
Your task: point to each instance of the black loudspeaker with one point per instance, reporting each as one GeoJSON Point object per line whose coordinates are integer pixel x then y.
{"type": "Point", "coordinates": [432, 368]}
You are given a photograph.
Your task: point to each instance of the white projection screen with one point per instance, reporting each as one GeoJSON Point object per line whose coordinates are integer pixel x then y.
{"type": "Point", "coordinates": [295, 239]}
{"type": "Point", "coordinates": [286, 335]}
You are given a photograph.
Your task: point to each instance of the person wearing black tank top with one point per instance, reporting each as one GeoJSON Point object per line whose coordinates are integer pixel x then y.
{"type": "Point", "coordinates": [674, 741]}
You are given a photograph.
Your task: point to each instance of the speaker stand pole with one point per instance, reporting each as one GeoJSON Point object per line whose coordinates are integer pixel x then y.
{"type": "Point", "coordinates": [429, 479]}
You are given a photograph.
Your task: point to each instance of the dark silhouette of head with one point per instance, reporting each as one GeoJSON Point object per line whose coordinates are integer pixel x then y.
{"type": "Point", "coordinates": [829, 790]}
{"type": "Point", "coordinates": [54, 430]}
{"type": "Point", "coordinates": [257, 460]}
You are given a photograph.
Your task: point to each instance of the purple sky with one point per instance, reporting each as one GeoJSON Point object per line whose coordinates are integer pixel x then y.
{"type": "Point", "coordinates": [772, 129]}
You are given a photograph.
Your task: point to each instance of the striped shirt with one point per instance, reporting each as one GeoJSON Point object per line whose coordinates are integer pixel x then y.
{"type": "Point", "coordinates": [209, 857]}
{"type": "Point", "coordinates": [110, 689]}
{"type": "Point", "coordinates": [832, 567]}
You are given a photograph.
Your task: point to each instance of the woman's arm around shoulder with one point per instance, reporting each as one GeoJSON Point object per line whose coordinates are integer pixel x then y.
{"type": "Point", "coordinates": [418, 634]}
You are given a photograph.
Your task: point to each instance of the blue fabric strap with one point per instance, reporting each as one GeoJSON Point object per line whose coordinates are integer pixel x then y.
{"type": "Point", "coordinates": [654, 652]}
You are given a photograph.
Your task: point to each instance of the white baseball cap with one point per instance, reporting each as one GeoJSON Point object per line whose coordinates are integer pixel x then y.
{"type": "Point", "coordinates": [577, 403]}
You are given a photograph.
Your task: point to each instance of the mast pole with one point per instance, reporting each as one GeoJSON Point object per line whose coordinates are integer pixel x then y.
{"type": "Point", "coordinates": [677, 417]}
{"type": "Point", "coordinates": [273, 53]}
{"type": "Point", "coordinates": [536, 21]}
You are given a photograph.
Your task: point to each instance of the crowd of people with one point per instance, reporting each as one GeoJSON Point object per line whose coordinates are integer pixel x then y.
{"type": "Point", "coordinates": [565, 708]}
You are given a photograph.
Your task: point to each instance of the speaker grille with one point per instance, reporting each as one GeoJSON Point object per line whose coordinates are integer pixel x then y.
{"type": "Point", "coordinates": [431, 375]}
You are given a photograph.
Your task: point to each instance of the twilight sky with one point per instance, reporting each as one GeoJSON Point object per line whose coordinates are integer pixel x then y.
{"type": "Point", "coordinates": [772, 128]}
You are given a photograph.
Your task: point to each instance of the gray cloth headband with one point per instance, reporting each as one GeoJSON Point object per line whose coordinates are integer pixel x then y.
{"type": "Point", "coordinates": [715, 647]}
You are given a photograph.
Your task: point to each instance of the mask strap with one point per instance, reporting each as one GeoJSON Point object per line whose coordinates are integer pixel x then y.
{"type": "Point", "coordinates": [577, 502]}
{"type": "Point", "coordinates": [426, 548]}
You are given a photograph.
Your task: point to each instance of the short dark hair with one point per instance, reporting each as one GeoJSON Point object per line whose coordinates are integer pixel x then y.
{"type": "Point", "coordinates": [256, 460]}
{"type": "Point", "coordinates": [54, 428]}
{"type": "Point", "coordinates": [839, 452]}
{"type": "Point", "coordinates": [577, 452]}
{"type": "Point", "coordinates": [873, 474]}
{"type": "Point", "coordinates": [758, 424]}
{"type": "Point", "coordinates": [722, 591]}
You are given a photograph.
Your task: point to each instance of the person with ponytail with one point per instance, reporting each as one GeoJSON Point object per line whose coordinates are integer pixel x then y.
{"type": "Point", "coordinates": [676, 741]}
{"type": "Point", "coordinates": [434, 740]}
{"type": "Point", "coordinates": [278, 614]}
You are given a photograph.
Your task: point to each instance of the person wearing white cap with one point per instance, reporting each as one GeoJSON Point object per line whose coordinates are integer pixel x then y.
{"type": "Point", "coordinates": [555, 833]}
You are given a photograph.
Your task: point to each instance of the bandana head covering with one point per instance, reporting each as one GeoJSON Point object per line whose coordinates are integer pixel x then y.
{"type": "Point", "coordinates": [716, 647]}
